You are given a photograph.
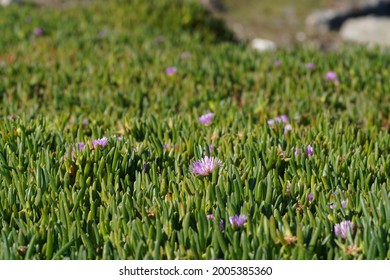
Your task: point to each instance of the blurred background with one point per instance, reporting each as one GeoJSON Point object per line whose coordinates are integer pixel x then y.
{"type": "Point", "coordinates": [282, 21]}
{"type": "Point", "coordinates": [321, 24]}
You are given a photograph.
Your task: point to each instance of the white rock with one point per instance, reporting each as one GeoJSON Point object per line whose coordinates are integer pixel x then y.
{"type": "Point", "coordinates": [369, 30]}
{"type": "Point", "coordinates": [263, 45]}
{"type": "Point", "coordinates": [5, 2]}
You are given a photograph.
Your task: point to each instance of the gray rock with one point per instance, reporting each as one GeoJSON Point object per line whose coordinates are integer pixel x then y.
{"type": "Point", "coordinates": [368, 30]}
{"type": "Point", "coordinates": [320, 22]}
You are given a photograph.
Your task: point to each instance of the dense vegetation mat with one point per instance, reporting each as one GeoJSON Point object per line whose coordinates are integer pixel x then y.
{"type": "Point", "coordinates": [140, 130]}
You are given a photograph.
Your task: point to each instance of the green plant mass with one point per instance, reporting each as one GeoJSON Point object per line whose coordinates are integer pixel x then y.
{"type": "Point", "coordinates": [142, 130]}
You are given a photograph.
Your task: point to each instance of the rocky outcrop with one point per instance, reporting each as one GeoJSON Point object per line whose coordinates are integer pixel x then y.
{"type": "Point", "coordinates": [351, 18]}
{"type": "Point", "coordinates": [332, 19]}
{"type": "Point", "coordinates": [367, 30]}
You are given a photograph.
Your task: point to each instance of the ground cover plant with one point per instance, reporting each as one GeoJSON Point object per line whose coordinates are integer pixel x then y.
{"type": "Point", "coordinates": [140, 130]}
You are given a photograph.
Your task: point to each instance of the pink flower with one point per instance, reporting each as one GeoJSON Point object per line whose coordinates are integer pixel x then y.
{"type": "Point", "coordinates": [102, 142]}
{"type": "Point", "coordinates": [287, 128]}
{"type": "Point", "coordinates": [211, 148]}
{"type": "Point", "coordinates": [331, 76]}
{"type": "Point", "coordinates": [278, 119]}
{"type": "Point", "coordinates": [210, 217]}
{"type": "Point", "coordinates": [237, 221]}
{"type": "Point", "coordinates": [310, 66]}
{"type": "Point", "coordinates": [206, 119]}
{"type": "Point", "coordinates": [80, 147]}
{"type": "Point", "coordinates": [271, 122]}
{"type": "Point", "coordinates": [38, 32]}
{"type": "Point", "coordinates": [309, 151]}
{"type": "Point", "coordinates": [342, 228]}
{"type": "Point", "coordinates": [221, 224]}
{"type": "Point", "coordinates": [170, 71]}
{"type": "Point", "coordinates": [205, 166]}
{"type": "Point", "coordinates": [277, 63]}
{"type": "Point", "coordinates": [282, 118]}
